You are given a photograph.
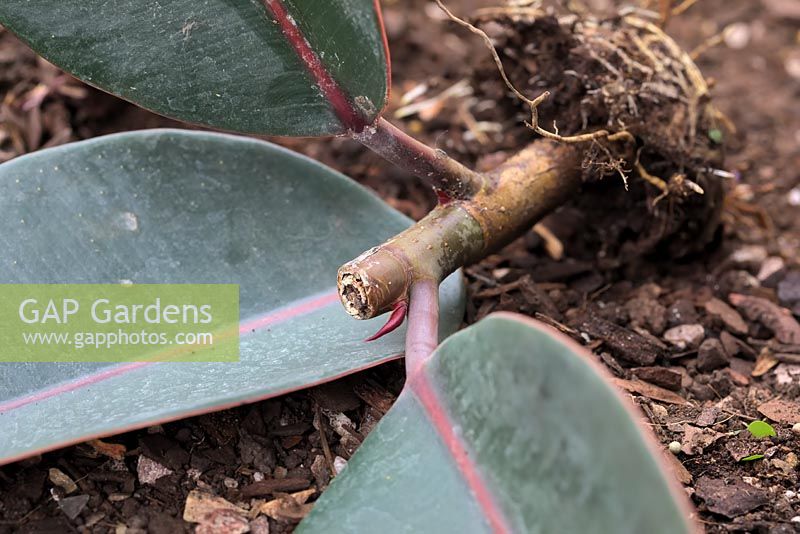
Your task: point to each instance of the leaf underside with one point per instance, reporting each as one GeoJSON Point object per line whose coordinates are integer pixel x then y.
{"type": "Point", "coordinates": [207, 208]}
{"type": "Point", "coordinates": [228, 64]}
{"type": "Point", "coordinates": [553, 447]}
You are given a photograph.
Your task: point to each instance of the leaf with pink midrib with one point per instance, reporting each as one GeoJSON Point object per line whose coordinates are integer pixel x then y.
{"type": "Point", "coordinates": [210, 208]}
{"type": "Point", "coordinates": [509, 427]}
{"type": "Point", "coordinates": [269, 67]}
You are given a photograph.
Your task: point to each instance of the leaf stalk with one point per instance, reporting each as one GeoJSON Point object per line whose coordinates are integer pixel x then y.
{"type": "Point", "coordinates": [422, 335]}
{"type": "Point", "coordinates": [432, 166]}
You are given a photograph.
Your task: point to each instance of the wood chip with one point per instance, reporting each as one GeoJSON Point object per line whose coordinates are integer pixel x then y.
{"type": "Point", "coordinates": [735, 346]}
{"type": "Point", "coordinates": [678, 469]}
{"type": "Point", "coordinates": [660, 376]}
{"type": "Point", "coordinates": [781, 411]}
{"type": "Point", "coordinates": [650, 391]}
{"type": "Point", "coordinates": [62, 480]}
{"type": "Point", "coordinates": [738, 378]}
{"type": "Point", "coordinates": [623, 343]}
{"type": "Point", "coordinates": [552, 244]}
{"type": "Point", "coordinates": [496, 291]}
{"type": "Point", "coordinates": [200, 504]}
{"type": "Point", "coordinates": [291, 507]}
{"type": "Point", "coordinates": [375, 395]}
{"type": "Point", "coordinates": [223, 522]}
{"type": "Point", "coordinates": [696, 440]}
{"type": "Point", "coordinates": [268, 487]}
{"type": "Point", "coordinates": [793, 359]}
{"type": "Point", "coordinates": [764, 363]}
{"type": "Point", "coordinates": [729, 499]}
{"type": "Point", "coordinates": [112, 450]}
{"type": "Point", "coordinates": [777, 319]}
{"type": "Point", "coordinates": [733, 321]}
{"type": "Point", "coordinates": [743, 446]}
{"type": "Point", "coordinates": [708, 416]}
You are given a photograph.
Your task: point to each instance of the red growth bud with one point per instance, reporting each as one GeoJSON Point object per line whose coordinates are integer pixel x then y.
{"type": "Point", "coordinates": [395, 320]}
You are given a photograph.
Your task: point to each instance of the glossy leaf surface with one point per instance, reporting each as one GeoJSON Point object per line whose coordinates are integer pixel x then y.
{"type": "Point", "coordinates": [508, 428]}
{"type": "Point", "coordinates": [168, 206]}
{"type": "Point", "coordinates": [275, 67]}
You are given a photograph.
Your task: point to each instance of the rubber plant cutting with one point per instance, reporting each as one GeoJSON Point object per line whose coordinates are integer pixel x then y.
{"type": "Point", "coordinates": [603, 100]}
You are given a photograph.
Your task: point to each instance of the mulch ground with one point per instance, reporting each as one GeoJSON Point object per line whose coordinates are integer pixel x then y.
{"type": "Point", "coordinates": [722, 324]}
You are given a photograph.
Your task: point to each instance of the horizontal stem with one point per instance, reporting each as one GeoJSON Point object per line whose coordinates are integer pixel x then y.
{"type": "Point", "coordinates": [433, 166]}
{"type": "Point", "coordinates": [525, 188]}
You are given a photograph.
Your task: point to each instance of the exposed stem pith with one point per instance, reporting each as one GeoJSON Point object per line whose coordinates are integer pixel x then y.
{"type": "Point", "coordinates": [517, 194]}
{"type": "Point", "coordinates": [432, 166]}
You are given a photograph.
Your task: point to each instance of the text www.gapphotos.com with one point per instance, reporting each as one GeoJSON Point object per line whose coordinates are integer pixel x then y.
{"type": "Point", "coordinates": [105, 340]}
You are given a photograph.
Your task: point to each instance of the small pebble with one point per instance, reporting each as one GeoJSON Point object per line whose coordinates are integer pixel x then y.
{"type": "Point", "coordinates": [675, 447]}
{"type": "Point", "coordinates": [789, 288]}
{"type": "Point", "coordinates": [62, 480]}
{"type": "Point", "coordinates": [711, 355]}
{"type": "Point", "coordinates": [789, 494]}
{"type": "Point", "coordinates": [339, 464]}
{"type": "Point", "coordinates": [280, 472]}
{"type": "Point", "coordinates": [73, 506]}
{"type": "Point", "coordinates": [149, 470]}
{"type": "Point", "coordinates": [659, 412]}
{"type": "Point", "coordinates": [796, 428]}
{"type": "Point", "coordinates": [794, 197]}
{"type": "Point", "coordinates": [749, 255]}
{"type": "Point", "coordinates": [792, 66]}
{"type": "Point", "coordinates": [737, 35]}
{"type": "Point", "coordinates": [771, 266]}
{"type": "Point", "coordinates": [685, 336]}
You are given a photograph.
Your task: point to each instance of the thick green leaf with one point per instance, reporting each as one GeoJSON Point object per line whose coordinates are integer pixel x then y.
{"type": "Point", "coordinates": [229, 64]}
{"type": "Point", "coordinates": [508, 426]}
{"type": "Point", "coordinates": [207, 209]}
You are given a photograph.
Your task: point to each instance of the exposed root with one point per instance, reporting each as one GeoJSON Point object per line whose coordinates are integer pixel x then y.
{"type": "Point", "coordinates": [609, 80]}
{"type": "Point", "coordinates": [682, 7]}
{"type": "Point", "coordinates": [532, 104]}
{"type": "Point", "coordinates": [678, 185]}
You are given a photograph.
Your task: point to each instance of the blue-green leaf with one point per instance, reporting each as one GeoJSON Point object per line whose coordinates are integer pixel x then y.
{"type": "Point", "coordinates": [509, 427]}
{"type": "Point", "coordinates": [273, 67]}
{"type": "Point", "coordinates": [208, 209]}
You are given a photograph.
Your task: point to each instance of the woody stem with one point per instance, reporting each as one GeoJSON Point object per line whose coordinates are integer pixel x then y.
{"type": "Point", "coordinates": [515, 195]}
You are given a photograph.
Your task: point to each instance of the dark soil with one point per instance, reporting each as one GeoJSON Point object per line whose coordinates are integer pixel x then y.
{"type": "Point", "coordinates": [712, 348]}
